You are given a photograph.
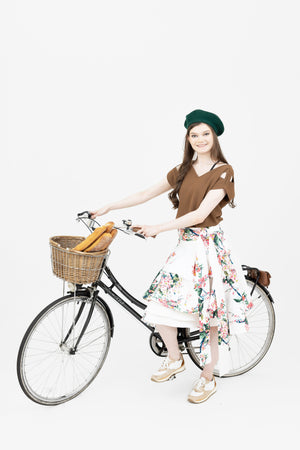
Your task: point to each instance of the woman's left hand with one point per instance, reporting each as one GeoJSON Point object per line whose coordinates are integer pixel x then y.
{"type": "Point", "coordinates": [148, 230]}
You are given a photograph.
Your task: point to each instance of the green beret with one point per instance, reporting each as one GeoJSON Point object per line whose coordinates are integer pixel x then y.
{"type": "Point", "coordinates": [206, 117]}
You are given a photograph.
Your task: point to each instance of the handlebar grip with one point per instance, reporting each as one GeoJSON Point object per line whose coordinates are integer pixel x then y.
{"type": "Point", "coordinates": [84, 212]}
{"type": "Point", "coordinates": [140, 235]}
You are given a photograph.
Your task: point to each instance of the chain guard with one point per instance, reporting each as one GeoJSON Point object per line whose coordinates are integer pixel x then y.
{"type": "Point", "coordinates": [157, 345]}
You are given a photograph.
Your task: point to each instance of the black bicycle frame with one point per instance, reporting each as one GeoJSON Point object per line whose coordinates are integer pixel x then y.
{"type": "Point", "coordinates": [116, 284]}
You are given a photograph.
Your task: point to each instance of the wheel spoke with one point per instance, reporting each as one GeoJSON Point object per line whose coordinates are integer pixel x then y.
{"type": "Point", "coordinates": [246, 349]}
{"type": "Point", "coordinates": [93, 340]}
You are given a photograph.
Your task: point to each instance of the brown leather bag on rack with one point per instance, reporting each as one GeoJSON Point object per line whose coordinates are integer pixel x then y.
{"type": "Point", "coordinates": [264, 277]}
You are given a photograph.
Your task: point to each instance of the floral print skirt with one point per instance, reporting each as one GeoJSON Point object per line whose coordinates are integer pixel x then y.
{"type": "Point", "coordinates": [201, 285]}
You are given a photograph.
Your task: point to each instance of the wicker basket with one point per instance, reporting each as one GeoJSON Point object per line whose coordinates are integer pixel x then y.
{"type": "Point", "coordinates": [73, 266]}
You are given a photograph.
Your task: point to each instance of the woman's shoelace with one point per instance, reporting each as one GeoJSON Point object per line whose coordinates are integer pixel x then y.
{"type": "Point", "coordinates": [165, 363]}
{"type": "Point", "coordinates": [200, 382]}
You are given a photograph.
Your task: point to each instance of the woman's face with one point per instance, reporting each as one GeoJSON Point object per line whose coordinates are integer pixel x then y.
{"type": "Point", "coordinates": [201, 138]}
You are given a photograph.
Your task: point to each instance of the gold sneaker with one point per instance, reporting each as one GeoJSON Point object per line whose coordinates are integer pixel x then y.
{"type": "Point", "coordinates": [202, 390]}
{"type": "Point", "coordinates": [168, 369]}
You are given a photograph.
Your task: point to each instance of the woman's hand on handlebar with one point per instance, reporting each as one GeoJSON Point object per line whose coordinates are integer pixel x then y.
{"type": "Point", "coordinates": [99, 212]}
{"type": "Point", "coordinates": [148, 230]}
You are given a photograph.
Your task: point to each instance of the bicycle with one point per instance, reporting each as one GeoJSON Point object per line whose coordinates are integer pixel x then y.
{"type": "Point", "coordinates": [66, 345]}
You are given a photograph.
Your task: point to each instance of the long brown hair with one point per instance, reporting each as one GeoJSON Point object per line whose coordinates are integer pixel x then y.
{"type": "Point", "coordinates": [215, 153]}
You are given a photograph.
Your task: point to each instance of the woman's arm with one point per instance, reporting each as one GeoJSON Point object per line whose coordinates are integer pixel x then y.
{"type": "Point", "coordinates": [135, 199]}
{"type": "Point", "coordinates": [210, 201]}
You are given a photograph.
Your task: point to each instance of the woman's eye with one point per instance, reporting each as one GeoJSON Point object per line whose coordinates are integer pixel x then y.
{"type": "Point", "coordinates": [195, 135]}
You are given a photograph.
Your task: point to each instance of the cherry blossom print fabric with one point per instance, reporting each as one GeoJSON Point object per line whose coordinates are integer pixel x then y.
{"type": "Point", "coordinates": [201, 276]}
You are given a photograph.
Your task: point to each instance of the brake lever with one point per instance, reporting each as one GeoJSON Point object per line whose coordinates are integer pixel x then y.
{"type": "Point", "coordinates": [140, 235]}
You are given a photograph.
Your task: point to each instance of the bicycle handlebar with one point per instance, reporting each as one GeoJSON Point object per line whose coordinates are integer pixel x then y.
{"type": "Point", "coordinates": [90, 225]}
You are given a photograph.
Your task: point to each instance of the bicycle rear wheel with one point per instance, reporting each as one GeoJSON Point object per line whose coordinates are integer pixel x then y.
{"type": "Point", "coordinates": [246, 349]}
{"type": "Point", "coordinates": [50, 370]}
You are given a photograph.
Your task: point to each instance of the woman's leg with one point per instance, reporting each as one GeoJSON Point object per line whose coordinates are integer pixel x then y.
{"type": "Point", "coordinates": [169, 336]}
{"type": "Point", "coordinates": [208, 369]}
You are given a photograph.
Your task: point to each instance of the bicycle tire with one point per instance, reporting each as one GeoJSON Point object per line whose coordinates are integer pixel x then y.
{"type": "Point", "coordinates": [260, 292]}
{"type": "Point", "coordinates": [63, 351]}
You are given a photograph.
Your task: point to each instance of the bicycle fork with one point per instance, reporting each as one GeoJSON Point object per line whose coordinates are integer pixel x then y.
{"type": "Point", "coordinates": [93, 295]}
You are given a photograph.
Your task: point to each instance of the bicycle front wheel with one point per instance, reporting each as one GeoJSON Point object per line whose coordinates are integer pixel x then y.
{"type": "Point", "coordinates": [51, 370]}
{"type": "Point", "coordinates": [246, 349]}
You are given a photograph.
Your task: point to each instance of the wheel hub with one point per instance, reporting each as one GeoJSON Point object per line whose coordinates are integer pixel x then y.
{"type": "Point", "coordinates": [66, 349]}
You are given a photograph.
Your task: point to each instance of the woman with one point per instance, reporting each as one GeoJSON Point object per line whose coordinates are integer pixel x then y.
{"type": "Point", "coordinates": [201, 284]}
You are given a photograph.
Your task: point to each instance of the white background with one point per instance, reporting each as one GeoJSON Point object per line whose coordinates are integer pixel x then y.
{"type": "Point", "coordinates": [93, 99]}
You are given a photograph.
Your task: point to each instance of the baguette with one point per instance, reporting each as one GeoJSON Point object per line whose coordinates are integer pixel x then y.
{"type": "Point", "coordinates": [82, 246]}
{"type": "Point", "coordinates": [113, 233]}
{"type": "Point", "coordinates": [100, 244]}
{"type": "Point", "coordinates": [103, 242]}
{"type": "Point", "coordinates": [109, 226]}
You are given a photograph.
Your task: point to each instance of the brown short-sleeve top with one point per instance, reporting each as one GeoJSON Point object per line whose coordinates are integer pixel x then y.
{"type": "Point", "coordinates": [194, 188]}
